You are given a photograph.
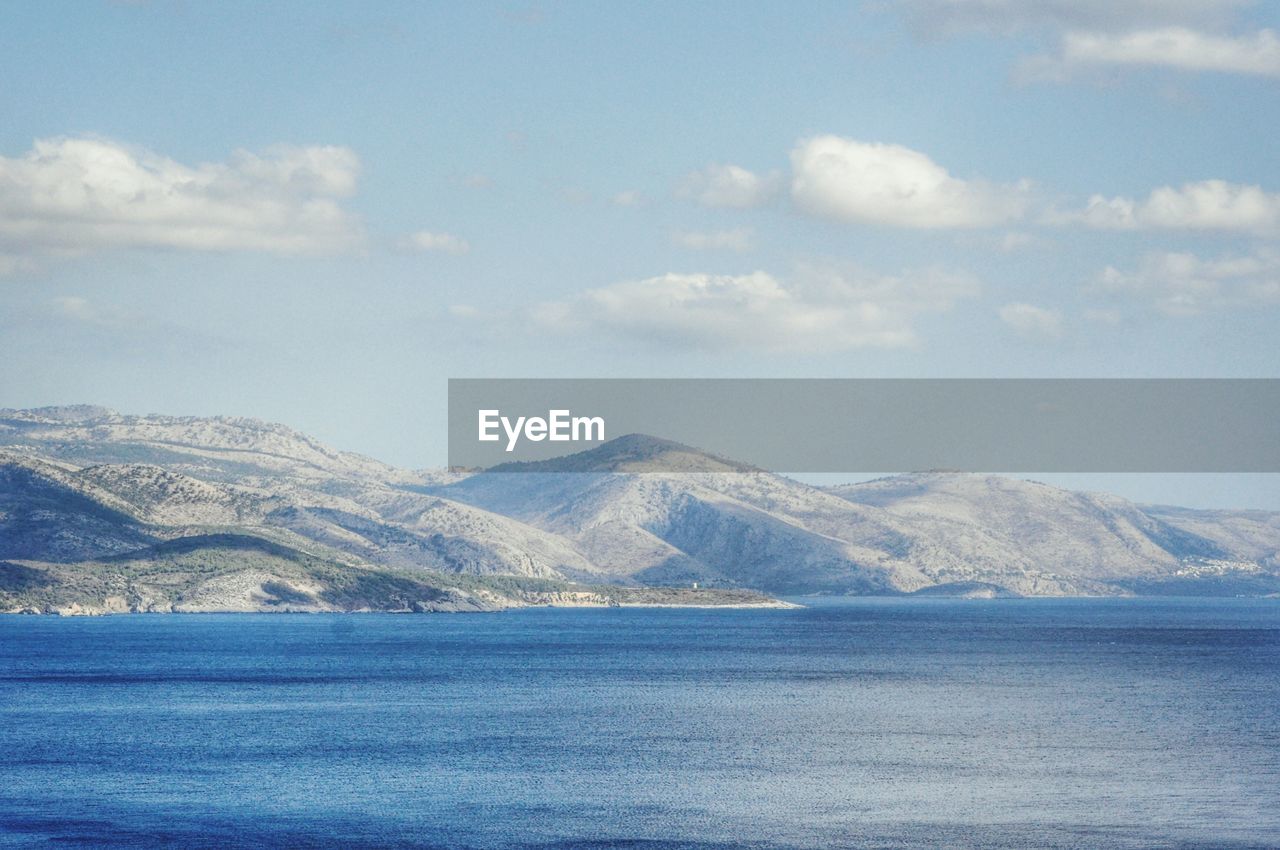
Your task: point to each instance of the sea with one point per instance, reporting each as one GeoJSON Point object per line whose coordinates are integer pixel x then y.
{"type": "Point", "coordinates": [878, 723]}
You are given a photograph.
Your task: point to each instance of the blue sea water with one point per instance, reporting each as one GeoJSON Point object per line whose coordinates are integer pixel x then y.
{"type": "Point", "coordinates": [851, 723]}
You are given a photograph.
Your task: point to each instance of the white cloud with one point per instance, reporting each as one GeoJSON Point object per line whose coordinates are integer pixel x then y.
{"type": "Point", "coordinates": [891, 184]}
{"type": "Point", "coordinates": [1206, 205]}
{"type": "Point", "coordinates": [1189, 35]}
{"type": "Point", "coordinates": [78, 308]}
{"type": "Point", "coordinates": [71, 195]}
{"type": "Point", "coordinates": [1011, 16]}
{"type": "Point", "coordinates": [83, 311]}
{"type": "Point", "coordinates": [11, 264]}
{"type": "Point", "coordinates": [738, 239]}
{"type": "Point", "coordinates": [1103, 317]}
{"type": "Point", "coordinates": [1017, 240]}
{"type": "Point", "coordinates": [1182, 284]}
{"type": "Point", "coordinates": [821, 309]}
{"type": "Point", "coordinates": [1032, 322]}
{"type": "Point", "coordinates": [444, 243]}
{"type": "Point", "coordinates": [730, 186]}
{"type": "Point", "coordinates": [477, 181]}
{"type": "Point", "coordinates": [629, 198]}
{"type": "Point", "coordinates": [1180, 48]}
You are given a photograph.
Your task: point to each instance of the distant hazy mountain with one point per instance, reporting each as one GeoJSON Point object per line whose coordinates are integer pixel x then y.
{"type": "Point", "coordinates": [1033, 538]}
{"type": "Point", "coordinates": [632, 453]}
{"type": "Point", "coordinates": [176, 475]}
{"type": "Point", "coordinates": [939, 531]}
{"type": "Point", "coordinates": [227, 449]}
{"type": "Point", "coordinates": [83, 486]}
{"type": "Point", "coordinates": [740, 528]}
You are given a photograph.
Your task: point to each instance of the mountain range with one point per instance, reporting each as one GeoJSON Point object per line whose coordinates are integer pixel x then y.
{"type": "Point", "coordinates": [103, 511]}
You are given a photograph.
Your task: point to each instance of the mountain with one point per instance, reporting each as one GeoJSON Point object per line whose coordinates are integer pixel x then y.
{"type": "Point", "coordinates": [749, 529]}
{"type": "Point", "coordinates": [631, 453]}
{"type": "Point", "coordinates": [238, 573]}
{"type": "Point", "coordinates": [83, 486]}
{"type": "Point", "coordinates": [228, 572]}
{"type": "Point", "coordinates": [47, 513]}
{"type": "Point", "coordinates": [1034, 538]}
{"type": "Point", "coordinates": [167, 476]}
{"type": "Point", "coordinates": [221, 448]}
{"type": "Point", "coordinates": [925, 532]}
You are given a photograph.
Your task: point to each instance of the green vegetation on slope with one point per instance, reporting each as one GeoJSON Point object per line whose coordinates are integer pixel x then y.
{"type": "Point", "coordinates": [237, 572]}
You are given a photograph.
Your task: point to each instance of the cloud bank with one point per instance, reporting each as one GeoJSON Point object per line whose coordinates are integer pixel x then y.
{"type": "Point", "coordinates": [730, 186]}
{"type": "Point", "coordinates": [1184, 35]}
{"type": "Point", "coordinates": [876, 183]}
{"type": "Point", "coordinates": [443, 243]}
{"type": "Point", "coordinates": [1179, 48]}
{"type": "Point", "coordinates": [738, 239]}
{"type": "Point", "coordinates": [1006, 17]}
{"type": "Point", "coordinates": [1205, 205]}
{"type": "Point", "coordinates": [1183, 284]}
{"type": "Point", "coordinates": [71, 195]}
{"type": "Point", "coordinates": [1032, 322]}
{"type": "Point", "coordinates": [818, 310]}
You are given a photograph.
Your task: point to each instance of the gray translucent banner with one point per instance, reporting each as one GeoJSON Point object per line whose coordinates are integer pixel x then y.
{"type": "Point", "coordinates": [870, 426]}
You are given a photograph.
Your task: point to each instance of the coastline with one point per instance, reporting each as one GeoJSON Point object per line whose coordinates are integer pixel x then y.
{"type": "Point", "coordinates": [82, 611]}
{"type": "Point", "coordinates": [256, 592]}
{"type": "Point", "coordinates": [777, 604]}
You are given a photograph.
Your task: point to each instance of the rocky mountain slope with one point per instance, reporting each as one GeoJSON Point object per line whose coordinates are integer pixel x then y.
{"type": "Point", "coordinates": [746, 529]}
{"type": "Point", "coordinates": [237, 573]}
{"type": "Point", "coordinates": [63, 470]}
{"type": "Point", "coordinates": [225, 449]}
{"type": "Point", "coordinates": [930, 532]}
{"type": "Point", "coordinates": [86, 485]}
{"type": "Point", "coordinates": [1034, 538]}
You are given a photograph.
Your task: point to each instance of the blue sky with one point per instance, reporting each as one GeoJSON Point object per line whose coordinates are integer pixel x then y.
{"type": "Point", "coordinates": [317, 213]}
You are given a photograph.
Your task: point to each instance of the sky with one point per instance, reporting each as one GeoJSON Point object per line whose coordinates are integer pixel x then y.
{"type": "Point", "coordinates": [317, 213]}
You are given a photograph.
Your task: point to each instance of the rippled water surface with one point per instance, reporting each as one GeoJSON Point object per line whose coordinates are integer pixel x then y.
{"type": "Point", "coordinates": [876, 723]}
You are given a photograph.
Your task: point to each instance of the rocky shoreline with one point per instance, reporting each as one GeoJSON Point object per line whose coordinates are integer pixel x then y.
{"type": "Point", "coordinates": [119, 607]}
{"type": "Point", "coordinates": [217, 579]}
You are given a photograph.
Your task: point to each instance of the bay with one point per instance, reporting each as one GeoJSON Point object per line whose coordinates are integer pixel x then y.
{"type": "Point", "coordinates": [852, 722]}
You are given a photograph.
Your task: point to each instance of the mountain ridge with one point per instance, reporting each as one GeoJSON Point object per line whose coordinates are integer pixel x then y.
{"type": "Point", "coordinates": [83, 483]}
{"type": "Point", "coordinates": [630, 453]}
